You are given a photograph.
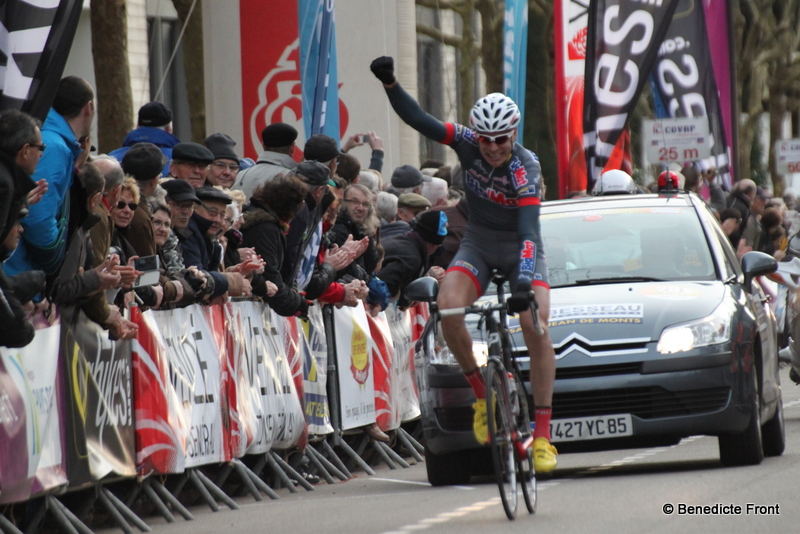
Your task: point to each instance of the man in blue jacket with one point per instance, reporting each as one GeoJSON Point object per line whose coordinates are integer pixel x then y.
{"type": "Point", "coordinates": [154, 126]}
{"type": "Point", "coordinates": [67, 127]}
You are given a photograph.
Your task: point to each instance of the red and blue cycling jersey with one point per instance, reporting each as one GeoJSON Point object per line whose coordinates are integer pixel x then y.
{"type": "Point", "coordinates": [504, 199]}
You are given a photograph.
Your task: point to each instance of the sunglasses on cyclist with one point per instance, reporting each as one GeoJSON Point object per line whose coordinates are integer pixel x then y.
{"type": "Point", "coordinates": [496, 139]}
{"type": "Point", "coordinates": [121, 205]}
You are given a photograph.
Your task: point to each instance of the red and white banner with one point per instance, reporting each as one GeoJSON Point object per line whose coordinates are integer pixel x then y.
{"type": "Point", "coordinates": [383, 359]}
{"type": "Point", "coordinates": [354, 361]}
{"type": "Point", "coordinates": [31, 450]}
{"type": "Point", "coordinates": [160, 427]}
{"type": "Point", "coordinates": [293, 344]}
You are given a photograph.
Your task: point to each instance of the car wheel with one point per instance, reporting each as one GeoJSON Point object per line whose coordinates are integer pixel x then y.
{"type": "Point", "coordinates": [745, 448]}
{"type": "Point", "coordinates": [773, 433]}
{"type": "Point", "coordinates": [447, 469]}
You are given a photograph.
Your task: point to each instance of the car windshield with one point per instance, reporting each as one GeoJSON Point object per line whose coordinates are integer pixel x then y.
{"type": "Point", "coordinates": [616, 245]}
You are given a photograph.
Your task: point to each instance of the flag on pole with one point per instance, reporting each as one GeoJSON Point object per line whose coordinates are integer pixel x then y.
{"type": "Point", "coordinates": [318, 67]}
{"type": "Point", "coordinates": [515, 46]}
{"type": "Point", "coordinates": [35, 40]}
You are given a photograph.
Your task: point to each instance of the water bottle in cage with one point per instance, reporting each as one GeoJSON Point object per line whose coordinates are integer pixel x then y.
{"type": "Point", "coordinates": [513, 395]}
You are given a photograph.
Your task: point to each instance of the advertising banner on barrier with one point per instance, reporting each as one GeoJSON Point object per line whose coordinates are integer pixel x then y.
{"type": "Point", "coordinates": [194, 369]}
{"type": "Point", "coordinates": [354, 361]}
{"type": "Point", "coordinates": [31, 450]}
{"type": "Point", "coordinates": [98, 401]}
{"type": "Point", "coordinates": [269, 407]}
{"type": "Point", "coordinates": [215, 315]}
{"type": "Point", "coordinates": [315, 373]}
{"type": "Point", "coordinates": [293, 344]}
{"type": "Point", "coordinates": [160, 426]}
{"type": "Point", "coordinates": [382, 350]}
{"type": "Point", "coordinates": [406, 395]}
{"type": "Point", "coordinates": [243, 403]}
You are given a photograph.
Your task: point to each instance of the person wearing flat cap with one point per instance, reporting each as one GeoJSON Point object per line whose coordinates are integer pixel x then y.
{"type": "Point", "coordinates": [198, 239]}
{"type": "Point", "coordinates": [278, 140]}
{"type": "Point", "coordinates": [223, 169]}
{"type": "Point", "coordinates": [407, 256]}
{"type": "Point", "coordinates": [407, 179]}
{"type": "Point", "coordinates": [409, 205]}
{"type": "Point", "coordinates": [154, 126]}
{"type": "Point", "coordinates": [144, 162]}
{"type": "Point", "coordinates": [189, 162]}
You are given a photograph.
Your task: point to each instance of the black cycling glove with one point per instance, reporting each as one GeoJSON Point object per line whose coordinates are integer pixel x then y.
{"type": "Point", "coordinates": [520, 300]}
{"type": "Point", "coordinates": [383, 69]}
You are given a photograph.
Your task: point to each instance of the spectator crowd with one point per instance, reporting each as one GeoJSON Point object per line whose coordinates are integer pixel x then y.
{"type": "Point", "coordinates": [162, 223]}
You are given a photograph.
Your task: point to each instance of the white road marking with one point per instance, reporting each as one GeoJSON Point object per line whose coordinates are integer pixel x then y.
{"type": "Point", "coordinates": [444, 517]}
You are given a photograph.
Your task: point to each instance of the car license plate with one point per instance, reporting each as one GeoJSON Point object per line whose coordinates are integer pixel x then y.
{"type": "Point", "coordinates": [585, 428]}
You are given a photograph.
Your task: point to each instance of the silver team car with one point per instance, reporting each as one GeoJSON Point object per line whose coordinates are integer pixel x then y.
{"type": "Point", "coordinates": [660, 333]}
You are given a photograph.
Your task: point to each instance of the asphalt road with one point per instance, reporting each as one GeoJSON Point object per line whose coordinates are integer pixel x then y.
{"type": "Point", "coordinates": [609, 492]}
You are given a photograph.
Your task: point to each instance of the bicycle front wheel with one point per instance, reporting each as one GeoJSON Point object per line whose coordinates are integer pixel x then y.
{"type": "Point", "coordinates": [501, 435]}
{"type": "Point", "coordinates": [525, 472]}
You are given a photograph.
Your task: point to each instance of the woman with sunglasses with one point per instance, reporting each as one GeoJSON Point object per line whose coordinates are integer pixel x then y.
{"type": "Point", "coordinates": [503, 186]}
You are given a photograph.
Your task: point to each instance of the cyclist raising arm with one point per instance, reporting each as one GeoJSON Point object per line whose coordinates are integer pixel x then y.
{"type": "Point", "coordinates": [503, 187]}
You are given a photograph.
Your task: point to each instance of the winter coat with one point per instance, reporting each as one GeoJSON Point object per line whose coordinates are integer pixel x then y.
{"type": "Point", "coordinates": [406, 260]}
{"type": "Point", "coordinates": [263, 231]}
{"type": "Point", "coordinates": [269, 165]}
{"type": "Point", "coordinates": [45, 239]}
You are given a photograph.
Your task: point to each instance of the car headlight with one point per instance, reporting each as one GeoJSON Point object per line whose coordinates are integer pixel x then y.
{"type": "Point", "coordinates": [443, 356]}
{"type": "Point", "coordinates": [716, 328]}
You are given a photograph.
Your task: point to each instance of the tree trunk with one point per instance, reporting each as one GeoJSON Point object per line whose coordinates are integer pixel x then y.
{"type": "Point", "coordinates": [193, 64]}
{"type": "Point", "coordinates": [113, 89]}
{"type": "Point", "coordinates": [492, 13]}
{"type": "Point", "coordinates": [777, 112]}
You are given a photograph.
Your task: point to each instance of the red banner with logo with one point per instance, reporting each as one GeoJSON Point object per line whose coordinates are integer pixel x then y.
{"type": "Point", "coordinates": [572, 19]}
{"type": "Point", "coordinates": [159, 428]}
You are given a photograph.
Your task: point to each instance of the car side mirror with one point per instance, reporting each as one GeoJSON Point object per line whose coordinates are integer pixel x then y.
{"type": "Point", "coordinates": [425, 289]}
{"type": "Point", "coordinates": [756, 264]}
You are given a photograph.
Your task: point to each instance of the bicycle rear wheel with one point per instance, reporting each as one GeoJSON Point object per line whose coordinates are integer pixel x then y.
{"type": "Point", "coordinates": [501, 431]}
{"type": "Point", "coordinates": [525, 472]}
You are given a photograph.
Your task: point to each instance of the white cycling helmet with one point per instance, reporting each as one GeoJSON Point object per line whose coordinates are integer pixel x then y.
{"type": "Point", "coordinates": [494, 113]}
{"type": "Point", "coordinates": [615, 182]}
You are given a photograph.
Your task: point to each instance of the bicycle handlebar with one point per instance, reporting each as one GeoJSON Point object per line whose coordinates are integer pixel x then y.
{"type": "Point", "coordinates": [489, 307]}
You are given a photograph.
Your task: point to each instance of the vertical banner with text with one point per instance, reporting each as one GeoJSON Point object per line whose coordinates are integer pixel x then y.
{"type": "Point", "coordinates": [99, 401]}
{"type": "Point", "coordinates": [315, 371]}
{"type": "Point", "coordinates": [685, 82]}
{"type": "Point", "coordinates": [623, 40]}
{"type": "Point", "coordinates": [354, 363]}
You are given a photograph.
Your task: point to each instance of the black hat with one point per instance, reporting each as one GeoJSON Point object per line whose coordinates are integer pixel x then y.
{"type": "Point", "coordinates": [208, 192]}
{"type": "Point", "coordinates": [143, 161]}
{"type": "Point", "coordinates": [321, 147]}
{"type": "Point", "coordinates": [432, 226]}
{"type": "Point", "coordinates": [408, 176]}
{"type": "Point", "coordinates": [278, 135]}
{"type": "Point", "coordinates": [221, 145]}
{"type": "Point", "coordinates": [154, 114]}
{"type": "Point", "coordinates": [192, 152]}
{"type": "Point", "coordinates": [314, 173]}
{"type": "Point", "coordinates": [180, 191]}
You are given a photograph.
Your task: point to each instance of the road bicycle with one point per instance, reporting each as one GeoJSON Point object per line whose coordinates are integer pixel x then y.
{"type": "Point", "coordinates": [507, 400]}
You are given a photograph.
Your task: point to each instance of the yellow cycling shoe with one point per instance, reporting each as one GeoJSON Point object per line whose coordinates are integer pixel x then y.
{"type": "Point", "coordinates": [544, 456]}
{"type": "Point", "coordinates": [480, 424]}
